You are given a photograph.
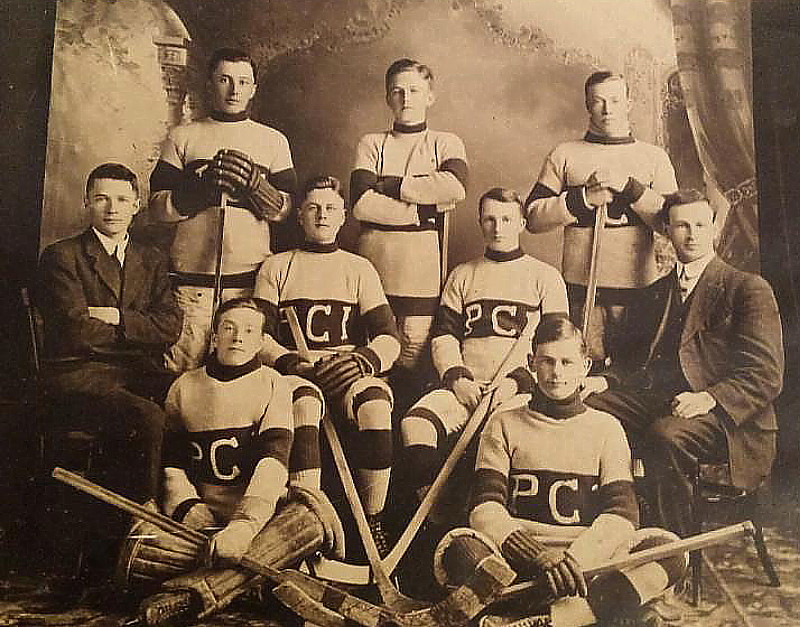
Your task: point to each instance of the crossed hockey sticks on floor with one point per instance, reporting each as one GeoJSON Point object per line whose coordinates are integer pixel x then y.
{"type": "Point", "coordinates": [326, 605]}
{"type": "Point", "coordinates": [320, 602]}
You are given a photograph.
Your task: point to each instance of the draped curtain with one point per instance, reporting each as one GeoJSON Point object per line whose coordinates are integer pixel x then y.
{"type": "Point", "coordinates": [712, 38]}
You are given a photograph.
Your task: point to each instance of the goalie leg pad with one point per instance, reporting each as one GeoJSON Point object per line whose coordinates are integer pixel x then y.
{"type": "Point", "coordinates": [307, 523]}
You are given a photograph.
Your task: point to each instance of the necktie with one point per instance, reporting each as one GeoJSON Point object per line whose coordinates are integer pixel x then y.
{"type": "Point", "coordinates": [683, 282]}
{"type": "Point", "coordinates": [115, 256]}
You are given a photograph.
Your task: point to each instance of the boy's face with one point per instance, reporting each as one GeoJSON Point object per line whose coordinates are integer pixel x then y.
{"type": "Point", "coordinates": [321, 216]}
{"type": "Point", "coordinates": [409, 95]}
{"type": "Point", "coordinates": [239, 336]}
{"type": "Point", "coordinates": [501, 225]}
{"type": "Point", "coordinates": [608, 107]}
{"type": "Point", "coordinates": [560, 367]}
{"type": "Point", "coordinates": [691, 230]}
{"type": "Point", "coordinates": [232, 86]}
{"type": "Point", "coordinates": [112, 204]}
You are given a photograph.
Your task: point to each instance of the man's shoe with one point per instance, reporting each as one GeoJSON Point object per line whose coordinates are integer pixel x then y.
{"type": "Point", "coordinates": [668, 606]}
{"type": "Point", "coordinates": [536, 620]}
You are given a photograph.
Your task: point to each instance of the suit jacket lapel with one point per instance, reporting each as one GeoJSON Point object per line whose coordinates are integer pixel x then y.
{"type": "Point", "coordinates": [102, 263]}
{"type": "Point", "coordinates": [703, 300]}
{"type": "Point", "coordinates": [133, 271]}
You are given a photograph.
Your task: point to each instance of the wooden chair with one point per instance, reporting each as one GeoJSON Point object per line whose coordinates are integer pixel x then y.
{"type": "Point", "coordinates": [713, 491]}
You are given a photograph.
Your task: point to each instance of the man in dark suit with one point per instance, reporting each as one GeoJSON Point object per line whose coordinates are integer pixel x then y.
{"type": "Point", "coordinates": [109, 313]}
{"type": "Point", "coordinates": [711, 366]}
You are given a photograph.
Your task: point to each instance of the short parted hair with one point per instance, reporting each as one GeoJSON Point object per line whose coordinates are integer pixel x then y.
{"type": "Point", "coordinates": [682, 197]}
{"type": "Point", "coordinates": [243, 302]}
{"type": "Point", "coordinates": [319, 182]}
{"type": "Point", "coordinates": [404, 65]}
{"type": "Point", "coordinates": [230, 54]}
{"type": "Point", "coordinates": [115, 171]}
{"type": "Point", "coordinates": [501, 194]}
{"type": "Point", "coordinates": [601, 76]}
{"type": "Point", "coordinates": [557, 326]}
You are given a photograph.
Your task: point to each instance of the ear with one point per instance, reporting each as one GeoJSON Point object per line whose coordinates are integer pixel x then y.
{"type": "Point", "coordinates": [431, 97]}
{"type": "Point", "coordinates": [530, 361]}
{"type": "Point", "coordinates": [587, 365]}
{"type": "Point", "coordinates": [137, 205]}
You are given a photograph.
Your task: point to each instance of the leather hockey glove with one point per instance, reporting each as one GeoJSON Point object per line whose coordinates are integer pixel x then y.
{"type": "Point", "coordinates": [195, 191]}
{"type": "Point", "coordinates": [531, 559]}
{"type": "Point", "coordinates": [236, 173]}
{"type": "Point", "coordinates": [335, 374]}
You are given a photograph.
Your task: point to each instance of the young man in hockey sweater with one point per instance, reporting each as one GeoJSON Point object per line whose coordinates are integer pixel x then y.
{"type": "Point", "coordinates": [226, 152]}
{"type": "Point", "coordinates": [607, 167]}
{"type": "Point", "coordinates": [485, 305]}
{"type": "Point", "coordinates": [403, 181]}
{"type": "Point", "coordinates": [554, 492]}
{"type": "Point", "coordinates": [348, 325]}
{"type": "Point", "coordinates": [231, 427]}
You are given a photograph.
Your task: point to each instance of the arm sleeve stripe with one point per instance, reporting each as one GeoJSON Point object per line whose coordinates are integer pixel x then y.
{"type": "Point", "coordinates": [176, 450]}
{"type": "Point", "coordinates": [539, 191]}
{"type": "Point", "coordinates": [165, 176]}
{"type": "Point", "coordinates": [285, 180]}
{"type": "Point", "coordinates": [380, 321]}
{"type": "Point", "coordinates": [458, 168]}
{"type": "Point", "coordinates": [619, 497]}
{"type": "Point", "coordinates": [274, 442]}
{"type": "Point", "coordinates": [490, 485]}
{"type": "Point", "coordinates": [361, 181]}
{"type": "Point", "coordinates": [448, 322]}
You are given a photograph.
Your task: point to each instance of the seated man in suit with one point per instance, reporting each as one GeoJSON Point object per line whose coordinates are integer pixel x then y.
{"type": "Point", "coordinates": [712, 366]}
{"type": "Point", "coordinates": [109, 313]}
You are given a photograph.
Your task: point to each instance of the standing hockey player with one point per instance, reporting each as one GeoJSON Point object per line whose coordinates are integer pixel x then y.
{"type": "Point", "coordinates": [554, 492]}
{"type": "Point", "coordinates": [228, 153]}
{"type": "Point", "coordinates": [485, 305]}
{"type": "Point", "coordinates": [403, 182]}
{"type": "Point", "coordinates": [607, 167]}
{"type": "Point", "coordinates": [347, 322]}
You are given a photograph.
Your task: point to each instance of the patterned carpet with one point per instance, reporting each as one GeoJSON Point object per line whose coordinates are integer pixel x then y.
{"type": "Point", "coordinates": [26, 601]}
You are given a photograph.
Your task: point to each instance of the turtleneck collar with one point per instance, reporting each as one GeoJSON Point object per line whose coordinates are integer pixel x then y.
{"type": "Point", "coordinates": [313, 247]}
{"type": "Point", "coordinates": [495, 255]}
{"type": "Point", "coordinates": [397, 127]}
{"type": "Point", "coordinates": [596, 138]}
{"type": "Point", "coordinates": [221, 116]}
{"type": "Point", "coordinates": [221, 372]}
{"type": "Point", "coordinates": [558, 409]}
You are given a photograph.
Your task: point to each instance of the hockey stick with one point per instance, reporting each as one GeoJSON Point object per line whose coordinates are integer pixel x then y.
{"type": "Point", "coordinates": [600, 215]}
{"type": "Point", "coordinates": [391, 596]}
{"type": "Point", "coordinates": [223, 206]}
{"type": "Point", "coordinates": [692, 543]}
{"type": "Point", "coordinates": [472, 426]}
{"type": "Point", "coordinates": [444, 247]}
{"type": "Point", "coordinates": [347, 605]}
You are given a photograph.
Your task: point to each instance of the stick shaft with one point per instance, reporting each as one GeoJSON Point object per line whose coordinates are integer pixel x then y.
{"type": "Point", "coordinates": [223, 206]}
{"type": "Point", "coordinates": [594, 267]}
{"type": "Point", "coordinates": [297, 333]}
{"type": "Point", "coordinates": [161, 521]}
{"type": "Point", "coordinates": [692, 543]}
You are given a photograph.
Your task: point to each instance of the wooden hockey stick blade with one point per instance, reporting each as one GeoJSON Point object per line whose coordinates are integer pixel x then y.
{"type": "Point", "coordinates": [594, 267]}
{"type": "Point", "coordinates": [692, 543]}
{"type": "Point", "coordinates": [472, 426]}
{"type": "Point", "coordinates": [391, 596]}
{"type": "Point", "coordinates": [353, 608]}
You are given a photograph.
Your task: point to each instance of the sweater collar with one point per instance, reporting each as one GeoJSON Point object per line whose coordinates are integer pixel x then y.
{"type": "Point", "coordinates": [409, 128]}
{"type": "Point", "coordinates": [596, 138]}
{"type": "Point", "coordinates": [221, 372]}
{"type": "Point", "coordinates": [313, 247]}
{"type": "Point", "coordinates": [511, 255]}
{"type": "Point", "coordinates": [558, 409]}
{"type": "Point", "coordinates": [221, 116]}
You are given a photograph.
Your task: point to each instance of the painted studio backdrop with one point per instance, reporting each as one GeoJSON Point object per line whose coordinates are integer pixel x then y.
{"type": "Point", "coordinates": [509, 81]}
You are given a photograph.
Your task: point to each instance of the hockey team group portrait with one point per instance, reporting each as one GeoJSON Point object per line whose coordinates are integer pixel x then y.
{"type": "Point", "coordinates": [379, 313]}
